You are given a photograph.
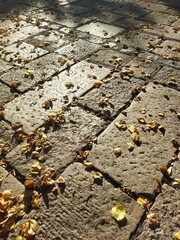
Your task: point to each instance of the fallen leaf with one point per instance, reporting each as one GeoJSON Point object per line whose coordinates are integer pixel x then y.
{"type": "Point", "coordinates": [36, 199]}
{"type": "Point", "coordinates": [118, 212]}
{"type": "Point", "coordinates": [69, 84]}
{"type": "Point", "coordinates": [117, 151]}
{"type": "Point", "coordinates": [35, 168]}
{"type": "Point", "coordinates": [144, 202]}
{"type": "Point", "coordinates": [176, 183]}
{"type": "Point", "coordinates": [60, 180]}
{"type": "Point", "coordinates": [152, 219]}
{"type": "Point", "coordinates": [130, 146]}
{"type": "Point", "coordinates": [97, 176]}
{"type": "Point", "coordinates": [176, 235]}
{"type": "Point", "coordinates": [132, 128]}
{"type": "Point", "coordinates": [97, 84]}
{"type": "Point", "coordinates": [29, 228]}
{"type": "Point", "coordinates": [88, 164]}
{"type": "Point", "coordinates": [29, 74]}
{"type": "Point", "coordinates": [121, 125]}
{"type": "Point", "coordinates": [141, 120]}
{"type": "Point", "coordinates": [135, 137]}
{"type": "Point", "coordinates": [29, 184]}
{"type": "Point", "coordinates": [142, 110]}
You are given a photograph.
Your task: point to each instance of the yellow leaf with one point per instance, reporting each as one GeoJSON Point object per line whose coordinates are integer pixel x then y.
{"type": "Point", "coordinates": [97, 175]}
{"type": "Point", "coordinates": [28, 74]}
{"type": "Point", "coordinates": [35, 168]}
{"type": "Point", "coordinates": [141, 120]}
{"type": "Point", "coordinates": [152, 219]}
{"type": "Point", "coordinates": [132, 128]}
{"type": "Point", "coordinates": [121, 124]}
{"type": "Point", "coordinates": [97, 84]}
{"type": "Point", "coordinates": [19, 238]}
{"type": "Point", "coordinates": [144, 202]}
{"type": "Point", "coordinates": [135, 137]}
{"type": "Point", "coordinates": [118, 212]}
{"type": "Point", "coordinates": [117, 151]}
{"type": "Point", "coordinates": [130, 146]}
{"type": "Point", "coordinates": [29, 228]}
{"type": "Point", "coordinates": [69, 84]}
{"type": "Point", "coordinates": [88, 164]}
{"type": "Point", "coordinates": [36, 199]}
{"type": "Point", "coordinates": [142, 110]}
{"type": "Point", "coordinates": [177, 235]}
{"type": "Point", "coordinates": [60, 180]}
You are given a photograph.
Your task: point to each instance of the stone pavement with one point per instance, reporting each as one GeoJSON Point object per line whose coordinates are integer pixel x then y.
{"type": "Point", "coordinates": [90, 92]}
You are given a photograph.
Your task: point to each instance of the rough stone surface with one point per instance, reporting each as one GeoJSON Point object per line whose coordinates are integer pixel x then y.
{"type": "Point", "coordinates": [66, 141]}
{"type": "Point", "coordinates": [5, 132]}
{"type": "Point", "coordinates": [28, 108]}
{"type": "Point", "coordinates": [100, 29]}
{"type": "Point", "coordinates": [161, 18]}
{"type": "Point", "coordinates": [21, 53]}
{"type": "Point", "coordinates": [168, 76]}
{"type": "Point", "coordinates": [9, 182]}
{"type": "Point", "coordinates": [132, 11]}
{"type": "Point", "coordinates": [155, 150]}
{"type": "Point", "coordinates": [111, 96]}
{"type": "Point", "coordinates": [58, 216]}
{"type": "Point", "coordinates": [166, 207]}
{"type": "Point", "coordinates": [4, 66]}
{"type": "Point", "coordinates": [78, 49]}
{"type": "Point", "coordinates": [41, 68]}
{"type": "Point", "coordinates": [6, 94]}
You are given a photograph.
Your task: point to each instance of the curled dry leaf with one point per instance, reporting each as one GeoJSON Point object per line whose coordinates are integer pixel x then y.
{"type": "Point", "coordinates": [46, 179]}
{"type": "Point", "coordinates": [97, 176]}
{"type": "Point", "coordinates": [132, 128]}
{"type": "Point", "coordinates": [29, 74]}
{"type": "Point", "coordinates": [152, 219]}
{"type": "Point", "coordinates": [5, 148]}
{"type": "Point", "coordinates": [29, 184]}
{"type": "Point", "coordinates": [35, 168]}
{"type": "Point", "coordinates": [176, 235]}
{"type": "Point", "coordinates": [29, 228]}
{"type": "Point", "coordinates": [144, 202]}
{"type": "Point", "coordinates": [118, 212]}
{"type": "Point", "coordinates": [130, 146]}
{"type": "Point", "coordinates": [141, 120]}
{"type": "Point", "coordinates": [121, 125]}
{"type": "Point", "coordinates": [135, 137]}
{"type": "Point", "coordinates": [60, 180]}
{"type": "Point", "coordinates": [97, 84]}
{"type": "Point", "coordinates": [142, 110]}
{"type": "Point", "coordinates": [117, 151]}
{"type": "Point", "coordinates": [69, 84]}
{"type": "Point", "coordinates": [36, 199]}
{"type": "Point", "coordinates": [88, 164]}
{"type": "Point", "coordinates": [47, 104]}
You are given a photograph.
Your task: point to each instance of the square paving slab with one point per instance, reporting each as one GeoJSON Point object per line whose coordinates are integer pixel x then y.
{"type": "Point", "coordinates": [154, 149]}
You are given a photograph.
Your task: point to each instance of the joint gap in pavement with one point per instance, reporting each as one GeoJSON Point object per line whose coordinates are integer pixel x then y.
{"type": "Point", "coordinates": [170, 85]}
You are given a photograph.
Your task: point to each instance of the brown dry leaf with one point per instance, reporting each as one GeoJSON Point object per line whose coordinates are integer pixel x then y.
{"type": "Point", "coordinates": [29, 184]}
{"type": "Point", "coordinates": [69, 84]}
{"type": "Point", "coordinates": [118, 212]}
{"type": "Point", "coordinates": [152, 219]}
{"type": "Point", "coordinates": [153, 125]}
{"type": "Point", "coordinates": [135, 137]}
{"type": "Point", "coordinates": [142, 110]}
{"type": "Point", "coordinates": [62, 60]}
{"type": "Point", "coordinates": [60, 180]}
{"type": "Point", "coordinates": [141, 120]}
{"type": "Point", "coordinates": [121, 125]}
{"type": "Point", "coordinates": [97, 84]}
{"type": "Point", "coordinates": [144, 202]}
{"type": "Point", "coordinates": [132, 128]}
{"type": "Point", "coordinates": [130, 146]}
{"type": "Point", "coordinates": [5, 148]}
{"type": "Point", "coordinates": [97, 176]}
{"type": "Point", "coordinates": [35, 168]}
{"type": "Point", "coordinates": [1, 115]}
{"type": "Point", "coordinates": [29, 228]}
{"type": "Point", "coordinates": [46, 179]}
{"type": "Point", "coordinates": [36, 199]}
{"type": "Point", "coordinates": [47, 104]}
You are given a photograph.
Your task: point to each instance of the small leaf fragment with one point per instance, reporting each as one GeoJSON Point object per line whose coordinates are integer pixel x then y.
{"type": "Point", "coordinates": [177, 235]}
{"type": "Point", "coordinates": [28, 74]}
{"type": "Point", "coordinates": [88, 164]}
{"type": "Point", "coordinates": [176, 183]}
{"type": "Point", "coordinates": [118, 212]}
{"type": "Point", "coordinates": [29, 228]}
{"type": "Point", "coordinates": [130, 146]}
{"type": "Point", "coordinates": [141, 120]}
{"type": "Point", "coordinates": [152, 219]}
{"type": "Point", "coordinates": [117, 151]}
{"type": "Point", "coordinates": [144, 202]}
{"type": "Point", "coordinates": [132, 128]}
{"type": "Point", "coordinates": [97, 84]}
{"type": "Point", "coordinates": [35, 168]}
{"type": "Point", "coordinates": [60, 180]}
{"type": "Point", "coordinates": [97, 176]}
{"type": "Point", "coordinates": [121, 125]}
{"type": "Point", "coordinates": [69, 84]}
{"type": "Point", "coordinates": [142, 110]}
{"type": "Point", "coordinates": [135, 137]}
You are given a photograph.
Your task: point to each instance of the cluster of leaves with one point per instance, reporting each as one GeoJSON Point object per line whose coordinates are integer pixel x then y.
{"type": "Point", "coordinates": [55, 119]}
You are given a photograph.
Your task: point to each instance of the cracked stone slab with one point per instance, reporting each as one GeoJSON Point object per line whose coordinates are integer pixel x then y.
{"type": "Point", "coordinates": [41, 68]}
{"type": "Point", "coordinates": [159, 18]}
{"type": "Point", "coordinates": [84, 208]}
{"type": "Point", "coordinates": [166, 207]}
{"type": "Point", "coordinates": [155, 149]}
{"type": "Point", "coordinates": [78, 49]}
{"type": "Point", "coordinates": [9, 182]}
{"type": "Point", "coordinates": [110, 58]}
{"type": "Point", "coordinates": [20, 53]}
{"type": "Point", "coordinates": [168, 76]}
{"type": "Point", "coordinates": [111, 96]}
{"type": "Point", "coordinates": [101, 29]}
{"type": "Point", "coordinates": [28, 108]}
{"type": "Point", "coordinates": [66, 141]}
{"type": "Point", "coordinates": [6, 93]}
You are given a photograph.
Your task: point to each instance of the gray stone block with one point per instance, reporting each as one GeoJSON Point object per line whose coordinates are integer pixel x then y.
{"type": "Point", "coordinates": [6, 94]}
{"type": "Point", "coordinates": [5, 132]}
{"type": "Point", "coordinates": [155, 148]}
{"type": "Point", "coordinates": [83, 210]}
{"type": "Point", "coordinates": [159, 18]}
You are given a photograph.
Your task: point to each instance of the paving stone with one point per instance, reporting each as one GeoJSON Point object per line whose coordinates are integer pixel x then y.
{"type": "Point", "coordinates": [153, 6]}
{"type": "Point", "coordinates": [174, 3]}
{"type": "Point", "coordinates": [28, 108]}
{"type": "Point", "coordinates": [89, 38]}
{"type": "Point", "coordinates": [18, 32]}
{"type": "Point", "coordinates": [49, 40]}
{"type": "Point", "coordinates": [139, 40]}
{"type": "Point", "coordinates": [66, 141]}
{"type": "Point", "coordinates": [64, 2]}
{"type": "Point", "coordinates": [5, 132]}
{"type": "Point", "coordinates": [100, 29]}
{"type": "Point", "coordinates": [20, 53]}
{"type": "Point", "coordinates": [41, 68]}
{"type": "Point", "coordinates": [155, 149]}
{"type": "Point", "coordinates": [4, 66]}
{"type": "Point", "coordinates": [111, 96]}
{"type": "Point", "coordinates": [130, 23]}
{"type": "Point", "coordinates": [84, 209]}
{"type": "Point", "coordinates": [78, 49]}
{"type": "Point", "coordinates": [6, 93]}
{"type": "Point", "coordinates": [159, 18]}
{"type": "Point", "coordinates": [164, 31]}
{"type": "Point", "coordinates": [110, 58]}
{"type": "Point", "coordinates": [132, 11]}
{"type": "Point", "coordinates": [143, 67]}
{"type": "Point", "coordinates": [73, 9]}
{"type": "Point", "coordinates": [9, 182]}
{"type": "Point", "coordinates": [168, 76]}
{"type": "Point", "coordinates": [102, 16]}
{"type": "Point", "coordinates": [168, 50]}
{"type": "Point", "coordinates": [166, 207]}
